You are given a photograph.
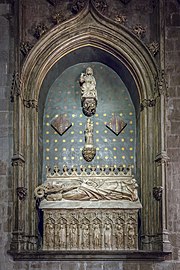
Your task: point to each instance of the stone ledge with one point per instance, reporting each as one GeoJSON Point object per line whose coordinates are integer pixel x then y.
{"type": "Point", "coordinates": [84, 255]}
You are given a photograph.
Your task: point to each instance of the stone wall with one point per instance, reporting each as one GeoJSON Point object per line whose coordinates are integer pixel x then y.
{"type": "Point", "coordinates": [172, 55]}
{"type": "Point", "coordinates": [173, 143]}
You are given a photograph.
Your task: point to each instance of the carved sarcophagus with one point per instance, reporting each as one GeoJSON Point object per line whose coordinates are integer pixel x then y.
{"type": "Point", "coordinates": [89, 209]}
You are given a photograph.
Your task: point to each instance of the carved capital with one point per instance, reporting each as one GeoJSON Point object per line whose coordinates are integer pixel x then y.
{"type": "Point", "coordinates": [147, 103]}
{"type": "Point", "coordinates": [157, 193]}
{"type": "Point", "coordinates": [162, 158]}
{"type": "Point", "coordinates": [21, 193]}
{"type": "Point", "coordinates": [16, 86]}
{"type": "Point", "coordinates": [31, 103]}
{"type": "Point", "coordinates": [18, 160]}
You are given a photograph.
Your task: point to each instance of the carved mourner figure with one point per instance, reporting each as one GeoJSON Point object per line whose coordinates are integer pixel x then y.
{"type": "Point", "coordinates": [49, 235]}
{"type": "Point", "coordinates": [131, 235]}
{"type": "Point", "coordinates": [88, 92]}
{"type": "Point", "coordinates": [62, 234]}
{"type": "Point", "coordinates": [119, 234]}
{"type": "Point", "coordinates": [96, 235]}
{"type": "Point", "coordinates": [107, 235]}
{"type": "Point", "coordinates": [73, 235]}
{"type": "Point", "coordinates": [85, 235]}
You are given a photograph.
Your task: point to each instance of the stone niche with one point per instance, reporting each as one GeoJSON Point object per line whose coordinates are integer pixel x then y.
{"type": "Point", "coordinates": [89, 209]}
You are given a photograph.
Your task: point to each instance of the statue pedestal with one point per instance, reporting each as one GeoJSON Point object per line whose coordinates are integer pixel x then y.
{"type": "Point", "coordinates": [90, 225]}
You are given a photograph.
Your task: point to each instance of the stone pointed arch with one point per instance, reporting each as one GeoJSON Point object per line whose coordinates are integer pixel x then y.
{"type": "Point", "coordinates": [90, 28]}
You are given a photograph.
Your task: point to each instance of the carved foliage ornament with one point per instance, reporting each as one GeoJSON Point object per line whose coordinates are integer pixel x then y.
{"type": "Point", "coordinates": [57, 18]}
{"type": "Point", "coordinates": [147, 103]}
{"type": "Point", "coordinates": [25, 47]}
{"type": "Point", "coordinates": [77, 6]}
{"type": "Point", "coordinates": [120, 18]}
{"type": "Point", "coordinates": [157, 193]}
{"type": "Point", "coordinates": [16, 86]}
{"type": "Point", "coordinates": [22, 193]}
{"type": "Point", "coordinates": [139, 31]}
{"type": "Point", "coordinates": [40, 30]}
{"type": "Point", "coordinates": [16, 91]}
{"type": "Point", "coordinates": [154, 48]}
{"type": "Point", "coordinates": [101, 5]}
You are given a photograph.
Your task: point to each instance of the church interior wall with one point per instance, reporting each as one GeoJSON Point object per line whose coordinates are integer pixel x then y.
{"type": "Point", "coordinates": [7, 66]}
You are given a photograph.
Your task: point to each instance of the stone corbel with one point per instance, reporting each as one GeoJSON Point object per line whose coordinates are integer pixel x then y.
{"type": "Point", "coordinates": [161, 158]}
{"type": "Point", "coordinates": [18, 160]}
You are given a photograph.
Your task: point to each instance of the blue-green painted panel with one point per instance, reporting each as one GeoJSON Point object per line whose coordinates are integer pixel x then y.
{"type": "Point", "coordinates": [64, 96]}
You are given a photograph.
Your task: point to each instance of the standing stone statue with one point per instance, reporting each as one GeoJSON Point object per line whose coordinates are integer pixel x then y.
{"type": "Point", "coordinates": [88, 92]}
{"type": "Point", "coordinates": [89, 151]}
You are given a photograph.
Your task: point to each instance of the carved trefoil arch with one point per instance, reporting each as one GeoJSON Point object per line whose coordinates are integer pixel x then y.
{"type": "Point", "coordinates": [90, 28]}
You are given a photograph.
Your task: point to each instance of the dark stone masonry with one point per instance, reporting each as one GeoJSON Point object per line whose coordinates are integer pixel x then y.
{"type": "Point", "coordinates": [145, 13]}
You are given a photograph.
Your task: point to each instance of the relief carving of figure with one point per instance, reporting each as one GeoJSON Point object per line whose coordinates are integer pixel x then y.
{"type": "Point", "coordinates": [62, 234]}
{"type": "Point", "coordinates": [96, 235]}
{"type": "Point", "coordinates": [49, 235]}
{"type": "Point", "coordinates": [73, 235]}
{"type": "Point", "coordinates": [85, 235]}
{"type": "Point", "coordinates": [131, 235]}
{"type": "Point", "coordinates": [107, 235]}
{"type": "Point", "coordinates": [119, 234]}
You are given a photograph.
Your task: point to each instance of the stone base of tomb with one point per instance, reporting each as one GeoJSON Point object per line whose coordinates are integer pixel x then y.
{"type": "Point", "coordinates": [90, 225]}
